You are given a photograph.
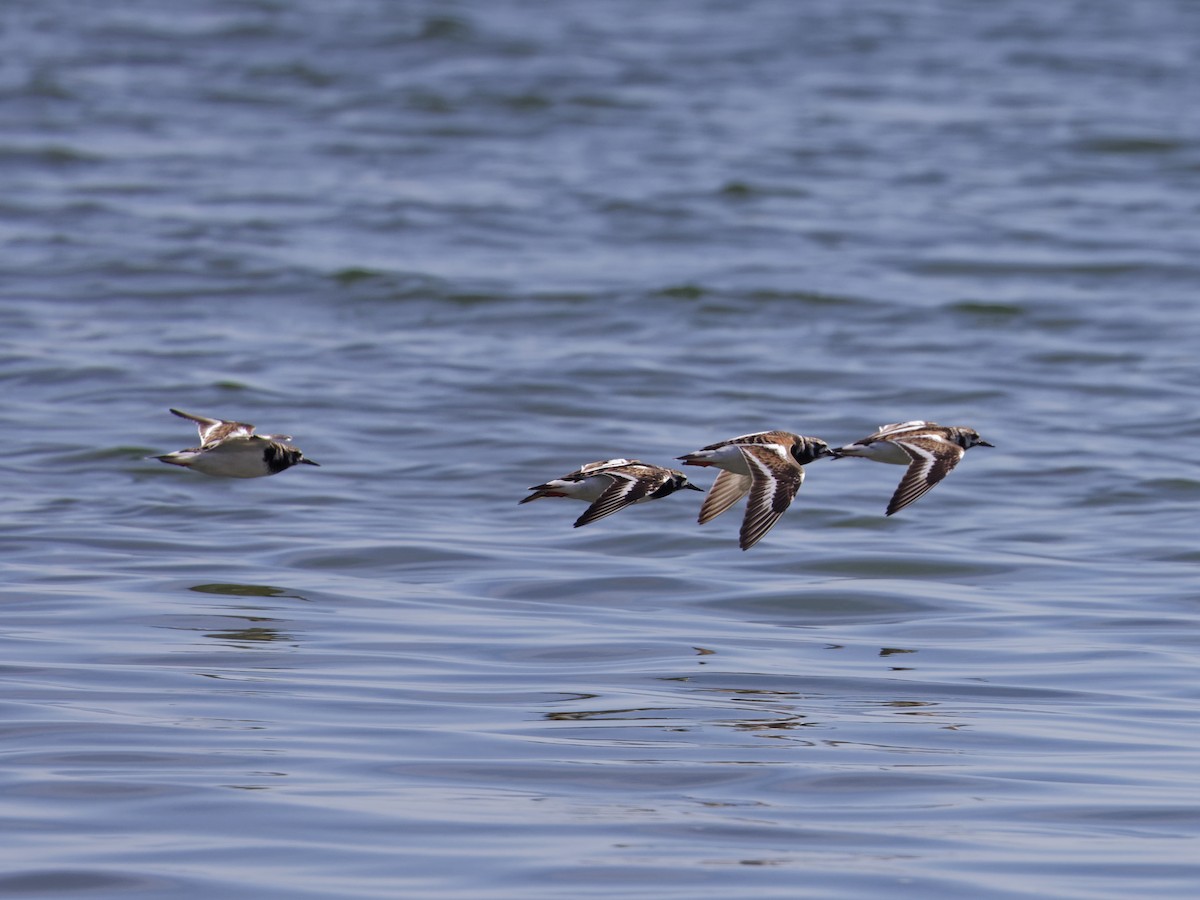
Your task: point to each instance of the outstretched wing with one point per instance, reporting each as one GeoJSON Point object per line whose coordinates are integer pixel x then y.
{"type": "Point", "coordinates": [895, 430]}
{"type": "Point", "coordinates": [624, 490]}
{"type": "Point", "coordinates": [775, 481]}
{"type": "Point", "coordinates": [213, 430]}
{"type": "Point", "coordinates": [932, 459]}
{"type": "Point", "coordinates": [728, 489]}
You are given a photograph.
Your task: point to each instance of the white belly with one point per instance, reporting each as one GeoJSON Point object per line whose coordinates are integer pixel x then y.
{"type": "Point", "coordinates": [232, 460]}
{"type": "Point", "coordinates": [880, 451]}
{"type": "Point", "coordinates": [729, 458]}
{"type": "Point", "coordinates": [589, 489]}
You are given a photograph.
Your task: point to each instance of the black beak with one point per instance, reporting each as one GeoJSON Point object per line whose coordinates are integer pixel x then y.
{"type": "Point", "coordinates": [694, 487]}
{"type": "Point", "coordinates": [983, 444]}
{"type": "Point", "coordinates": [309, 462]}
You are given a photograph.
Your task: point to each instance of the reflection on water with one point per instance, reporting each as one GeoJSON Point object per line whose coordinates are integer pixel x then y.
{"type": "Point", "coordinates": [782, 723]}
{"type": "Point", "coordinates": [632, 714]}
{"type": "Point", "coordinates": [231, 630]}
{"type": "Point", "coordinates": [254, 634]}
{"type": "Point", "coordinates": [765, 711]}
{"type": "Point", "coordinates": [241, 624]}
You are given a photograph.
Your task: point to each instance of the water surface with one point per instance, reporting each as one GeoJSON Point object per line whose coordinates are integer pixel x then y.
{"type": "Point", "coordinates": [459, 248]}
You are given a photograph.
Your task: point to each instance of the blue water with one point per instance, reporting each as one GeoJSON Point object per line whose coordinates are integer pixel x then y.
{"type": "Point", "coordinates": [459, 248]}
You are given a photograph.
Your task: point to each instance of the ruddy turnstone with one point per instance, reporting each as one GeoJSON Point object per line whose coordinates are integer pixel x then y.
{"type": "Point", "coordinates": [929, 450]}
{"type": "Point", "coordinates": [768, 464]}
{"type": "Point", "coordinates": [233, 450]}
{"type": "Point", "coordinates": [611, 485]}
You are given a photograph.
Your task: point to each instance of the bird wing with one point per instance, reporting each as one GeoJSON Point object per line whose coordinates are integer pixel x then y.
{"type": "Point", "coordinates": [213, 430]}
{"type": "Point", "coordinates": [932, 459]}
{"type": "Point", "coordinates": [728, 489]}
{"type": "Point", "coordinates": [775, 481]}
{"type": "Point", "coordinates": [624, 490]}
{"type": "Point", "coordinates": [887, 432]}
{"type": "Point", "coordinates": [238, 443]}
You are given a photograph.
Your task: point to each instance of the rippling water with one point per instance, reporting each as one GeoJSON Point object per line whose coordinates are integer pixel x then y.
{"type": "Point", "coordinates": [458, 248]}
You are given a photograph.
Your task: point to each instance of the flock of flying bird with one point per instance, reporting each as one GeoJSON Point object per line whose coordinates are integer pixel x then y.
{"type": "Point", "coordinates": [768, 465]}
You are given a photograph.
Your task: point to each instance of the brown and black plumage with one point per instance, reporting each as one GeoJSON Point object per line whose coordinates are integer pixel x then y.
{"type": "Point", "coordinates": [232, 450]}
{"type": "Point", "coordinates": [929, 450]}
{"type": "Point", "coordinates": [769, 465]}
{"type": "Point", "coordinates": [611, 485]}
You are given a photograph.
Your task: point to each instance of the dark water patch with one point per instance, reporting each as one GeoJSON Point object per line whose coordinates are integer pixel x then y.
{"type": "Point", "coordinates": [737, 190]}
{"type": "Point", "coordinates": [1185, 556]}
{"type": "Point", "coordinates": [820, 604]}
{"type": "Point", "coordinates": [82, 790]}
{"type": "Point", "coordinates": [245, 590]}
{"type": "Point", "coordinates": [81, 881]}
{"type": "Point", "coordinates": [1017, 268]}
{"type": "Point", "coordinates": [413, 558]}
{"type": "Point", "coordinates": [56, 155]}
{"type": "Point", "coordinates": [305, 74]}
{"type": "Point", "coordinates": [813, 299]}
{"type": "Point", "coordinates": [682, 292]}
{"type": "Point", "coordinates": [354, 275]}
{"type": "Point", "coordinates": [609, 591]}
{"type": "Point", "coordinates": [1085, 358]}
{"type": "Point", "coordinates": [1131, 144]}
{"type": "Point", "coordinates": [937, 570]}
{"type": "Point", "coordinates": [441, 27]}
{"type": "Point", "coordinates": [987, 311]}
{"type": "Point", "coordinates": [1175, 488]}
